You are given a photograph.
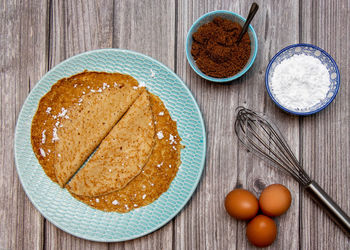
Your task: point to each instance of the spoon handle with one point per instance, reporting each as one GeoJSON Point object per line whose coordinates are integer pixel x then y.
{"type": "Point", "coordinates": [253, 9]}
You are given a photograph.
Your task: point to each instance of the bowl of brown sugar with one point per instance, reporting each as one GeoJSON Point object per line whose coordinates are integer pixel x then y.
{"type": "Point", "coordinates": [212, 49]}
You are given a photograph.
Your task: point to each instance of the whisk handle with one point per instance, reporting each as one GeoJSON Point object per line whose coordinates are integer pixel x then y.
{"type": "Point", "coordinates": [333, 210]}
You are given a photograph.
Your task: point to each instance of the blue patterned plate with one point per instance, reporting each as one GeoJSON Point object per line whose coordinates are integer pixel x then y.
{"type": "Point", "coordinates": [78, 219]}
{"type": "Point", "coordinates": [310, 50]}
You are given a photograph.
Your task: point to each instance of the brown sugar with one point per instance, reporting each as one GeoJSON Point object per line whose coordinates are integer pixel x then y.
{"type": "Point", "coordinates": [215, 50]}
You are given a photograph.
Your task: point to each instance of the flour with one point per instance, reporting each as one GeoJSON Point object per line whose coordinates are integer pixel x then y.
{"type": "Point", "coordinates": [300, 82]}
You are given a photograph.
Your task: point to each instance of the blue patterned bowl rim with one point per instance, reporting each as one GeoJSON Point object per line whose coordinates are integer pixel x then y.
{"type": "Point", "coordinates": [291, 111]}
{"type": "Point", "coordinates": [190, 58]}
{"type": "Point", "coordinates": [194, 184]}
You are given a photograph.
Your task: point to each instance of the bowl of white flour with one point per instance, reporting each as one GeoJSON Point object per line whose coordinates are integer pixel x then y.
{"type": "Point", "coordinates": [302, 79]}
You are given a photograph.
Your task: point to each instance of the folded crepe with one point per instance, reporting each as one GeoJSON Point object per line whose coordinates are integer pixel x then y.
{"type": "Point", "coordinates": [121, 155]}
{"type": "Point", "coordinates": [86, 123]}
{"type": "Point", "coordinates": [156, 176]}
{"type": "Point", "coordinates": [56, 106]}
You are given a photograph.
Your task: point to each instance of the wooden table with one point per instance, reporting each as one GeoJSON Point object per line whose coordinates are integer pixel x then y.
{"type": "Point", "coordinates": [36, 35]}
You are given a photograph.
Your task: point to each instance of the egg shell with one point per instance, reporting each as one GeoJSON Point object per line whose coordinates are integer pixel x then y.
{"type": "Point", "coordinates": [275, 200]}
{"type": "Point", "coordinates": [241, 204]}
{"type": "Point", "coordinates": [261, 231]}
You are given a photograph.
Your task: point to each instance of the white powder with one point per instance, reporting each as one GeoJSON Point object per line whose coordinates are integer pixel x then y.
{"type": "Point", "coordinates": [62, 113]}
{"type": "Point", "coordinates": [54, 135]}
{"type": "Point", "coordinates": [105, 85]}
{"type": "Point", "coordinates": [142, 84]}
{"type": "Point", "coordinates": [161, 113]}
{"type": "Point", "coordinates": [43, 136]}
{"type": "Point", "coordinates": [171, 138]}
{"type": "Point", "coordinates": [42, 152]}
{"type": "Point", "coordinates": [160, 135]}
{"type": "Point", "coordinates": [115, 202]}
{"type": "Point", "coordinates": [300, 82]}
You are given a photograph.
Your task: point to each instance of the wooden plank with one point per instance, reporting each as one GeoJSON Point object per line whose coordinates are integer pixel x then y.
{"type": "Point", "coordinates": [277, 29]}
{"type": "Point", "coordinates": [326, 135]}
{"type": "Point", "coordinates": [204, 224]}
{"type": "Point", "coordinates": [147, 27]}
{"type": "Point", "coordinates": [23, 62]}
{"type": "Point", "coordinates": [75, 27]}
{"type": "Point", "coordinates": [74, 30]}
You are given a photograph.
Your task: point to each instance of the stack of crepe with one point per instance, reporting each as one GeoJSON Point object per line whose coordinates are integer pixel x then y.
{"type": "Point", "coordinates": [106, 139]}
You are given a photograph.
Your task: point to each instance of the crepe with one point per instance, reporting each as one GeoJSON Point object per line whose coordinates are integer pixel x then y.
{"type": "Point", "coordinates": [156, 176]}
{"type": "Point", "coordinates": [69, 95]}
{"type": "Point", "coordinates": [121, 155]}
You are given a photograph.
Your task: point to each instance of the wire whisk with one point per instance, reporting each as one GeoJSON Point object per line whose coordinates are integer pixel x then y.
{"type": "Point", "coordinates": [263, 138]}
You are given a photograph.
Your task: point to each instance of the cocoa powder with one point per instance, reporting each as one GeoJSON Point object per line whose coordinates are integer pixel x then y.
{"type": "Point", "coordinates": [215, 50]}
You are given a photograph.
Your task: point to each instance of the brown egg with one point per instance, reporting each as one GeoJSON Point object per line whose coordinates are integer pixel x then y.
{"type": "Point", "coordinates": [241, 204]}
{"type": "Point", "coordinates": [261, 231]}
{"type": "Point", "coordinates": [275, 200]}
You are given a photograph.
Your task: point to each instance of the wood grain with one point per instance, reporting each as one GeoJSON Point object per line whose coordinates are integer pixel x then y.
{"type": "Point", "coordinates": [23, 63]}
{"type": "Point", "coordinates": [205, 221]}
{"type": "Point", "coordinates": [81, 26]}
{"type": "Point", "coordinates": [76, 27]}
{"type": "Point", "coordinates": [37, 35]}
{"type": "Point", "coordinates": [326, 135]}
{"type": "Point", "coordinates": [136, 27]}
{"type": "Point", "coordinates": [252, 172]}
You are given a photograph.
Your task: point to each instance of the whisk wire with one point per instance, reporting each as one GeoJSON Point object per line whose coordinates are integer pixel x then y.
{"type": "Point", "coordinates": [252, 146]}
{"type": "Point", "coordinates": [266, 141]}
{"type": "Point", "coordinates": [260, 136]}
{"type": "Point", "coordinates": [284, 151]}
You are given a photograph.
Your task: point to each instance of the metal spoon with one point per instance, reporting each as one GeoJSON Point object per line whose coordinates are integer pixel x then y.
{"type": "Point", "coordinates": [253, 9]}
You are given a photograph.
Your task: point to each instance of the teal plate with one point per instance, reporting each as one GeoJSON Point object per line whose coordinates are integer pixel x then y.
{"type": "Point", "coordinates": [78, 219]}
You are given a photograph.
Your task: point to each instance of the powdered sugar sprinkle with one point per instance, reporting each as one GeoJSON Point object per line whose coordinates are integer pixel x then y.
{"type": "Point", "coordinates": [42, 152]}
{"type": "Point", "coordinates": [43, 136]}
{"type": "Point", "coordinates": [160, 135]}
{"type": "Point", "coordinates": [54, 135]}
